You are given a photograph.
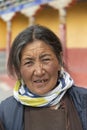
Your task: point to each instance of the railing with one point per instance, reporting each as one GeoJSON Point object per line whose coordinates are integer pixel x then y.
{"type": "Point", "coordinates": [8, 6]}
{"type": "Point", "coordinates": [11, 3]}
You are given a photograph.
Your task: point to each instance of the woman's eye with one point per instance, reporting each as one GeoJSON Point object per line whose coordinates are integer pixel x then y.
{"type": "Point", "coordinates": [46, 60]}
{"type": "Point", "coordinates": [29, 63]}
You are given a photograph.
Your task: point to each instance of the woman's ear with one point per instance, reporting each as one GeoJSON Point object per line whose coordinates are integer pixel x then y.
{"type": "Point", "coordinates": [61, 59]}
{"type": "Point", "coordinates": [22, 82]}
{"type": "Point", "coordinates": [18, 75]}
{"type": "Point", "coordinates": [59, 74]}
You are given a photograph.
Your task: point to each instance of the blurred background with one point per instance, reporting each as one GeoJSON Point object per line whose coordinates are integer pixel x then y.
{"type": "Point", "coordinates": [67, 18]}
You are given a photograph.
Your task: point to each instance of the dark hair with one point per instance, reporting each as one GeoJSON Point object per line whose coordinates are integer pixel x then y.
{"type": "Point", "coordinates": [34, 32]}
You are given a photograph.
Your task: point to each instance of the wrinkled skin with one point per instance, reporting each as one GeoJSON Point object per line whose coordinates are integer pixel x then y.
{"type": "Point", "coordinates": [39, 67]}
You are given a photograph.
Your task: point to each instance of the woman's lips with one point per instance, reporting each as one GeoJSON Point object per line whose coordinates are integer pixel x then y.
{"type": "Point", "coordinates": [40, 81]}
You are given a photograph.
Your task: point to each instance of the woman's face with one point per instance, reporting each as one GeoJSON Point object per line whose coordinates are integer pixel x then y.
{"type": "Point", "coordinates": [39, 67]}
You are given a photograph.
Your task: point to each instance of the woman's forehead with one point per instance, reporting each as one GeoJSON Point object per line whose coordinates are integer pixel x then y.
{"type": "Point", "coordinates": [37, 46]}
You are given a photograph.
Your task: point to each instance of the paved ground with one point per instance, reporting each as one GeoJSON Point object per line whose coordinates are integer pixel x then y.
{"type": "Point", "coordinates": [6, 87]}
{"type": "Point", "coordinates": [5, 91]}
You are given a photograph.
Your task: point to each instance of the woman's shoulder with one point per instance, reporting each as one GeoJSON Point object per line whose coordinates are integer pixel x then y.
{"type": "Point", "coordinates": [10, 104]}
{"type": "Point", "coordinates": [78, 90]}
{"type": "Point", "coordinates": [79, 96]}
{"type": "Point", "coordinates": [10, 109]}
{"type": "Point", "coordinates": [8, 100]}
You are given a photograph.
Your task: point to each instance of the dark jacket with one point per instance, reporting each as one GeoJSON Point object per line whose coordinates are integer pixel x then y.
{"type": "Point", "coordinates": [11, 111]}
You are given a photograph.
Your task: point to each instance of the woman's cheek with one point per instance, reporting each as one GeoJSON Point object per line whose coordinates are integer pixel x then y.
{"type": "Point", "coordinates": [25, 73]}
{"type": "Point", "coordinates": [53, 68]}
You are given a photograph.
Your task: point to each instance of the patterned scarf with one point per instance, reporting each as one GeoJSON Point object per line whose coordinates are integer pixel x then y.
{"type": "Point", "coordinates": [25, 97]}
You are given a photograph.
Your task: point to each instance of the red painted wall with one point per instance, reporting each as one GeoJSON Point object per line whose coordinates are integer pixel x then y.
{"type": "Point", "coordinates": [77, 64]}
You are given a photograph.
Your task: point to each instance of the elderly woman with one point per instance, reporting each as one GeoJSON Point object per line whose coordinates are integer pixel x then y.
{"type": "Point", "coordinates": [45, 97]}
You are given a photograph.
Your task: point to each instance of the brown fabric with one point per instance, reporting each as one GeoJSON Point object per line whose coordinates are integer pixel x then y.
{"type": "Point", "coordinates": [44, 119]}
{"type": "Point", "coordinates": [73, 120]}
{"type": "Point", "coordinates": [64, 118]}
{"type": "Point", "coordinates": [1, 126]}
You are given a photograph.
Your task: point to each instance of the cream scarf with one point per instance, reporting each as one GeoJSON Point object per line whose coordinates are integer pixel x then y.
{"type": "Point", "coordinates": [25, 97]}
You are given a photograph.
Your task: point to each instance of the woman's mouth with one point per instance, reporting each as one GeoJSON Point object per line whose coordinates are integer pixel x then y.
{"type": "Point", "coordinates": [40, 82]}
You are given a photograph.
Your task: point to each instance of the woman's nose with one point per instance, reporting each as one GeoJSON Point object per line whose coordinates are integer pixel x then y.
{"type": "Point", "coordinates": [39, 69]}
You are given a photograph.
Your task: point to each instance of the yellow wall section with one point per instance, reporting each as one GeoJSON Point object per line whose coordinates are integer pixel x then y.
{"type": "Point", "coordinates": [48, 17]}
{"type": "Point", "coordinates": [19, 22]}
{"type": "Point", "coordinates": [77, 26]}
{"type": "Point", "coordinates": [2, 34]}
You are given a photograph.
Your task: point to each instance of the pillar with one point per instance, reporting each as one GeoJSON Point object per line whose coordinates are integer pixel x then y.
{"type": "Point", "coordinates": [31, 20]}
{"type": "Point", "coordinates": [7, 18]}
{"type": "Point", "coordinates": [8, 44]}
{"type": "Point", "coordinates": [63, 32]}
{"type": "Point", "coordinates": [30, 12]}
